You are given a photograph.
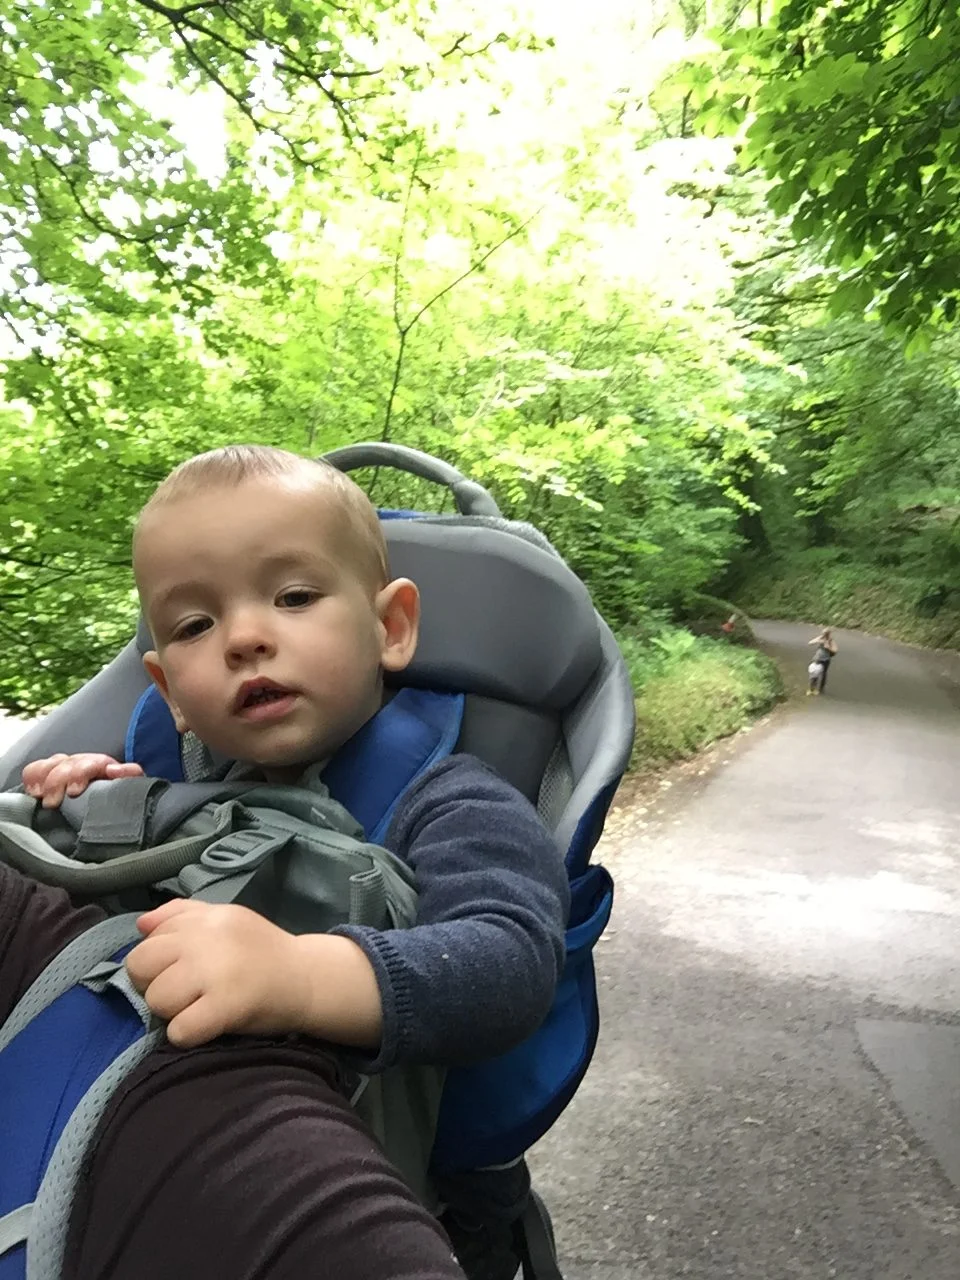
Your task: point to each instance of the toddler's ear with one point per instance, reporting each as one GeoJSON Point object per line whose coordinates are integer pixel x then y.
{"type": "Point", "coordinates": [151, 662]}
{"type": "Point", "coordinates": [398, 606]}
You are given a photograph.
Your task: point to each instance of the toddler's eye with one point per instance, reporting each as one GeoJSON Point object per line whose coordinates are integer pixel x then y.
{"type": "Point", "coordinates": [192, 627]}
{"type": "Point", "coordinates": [297, 598]}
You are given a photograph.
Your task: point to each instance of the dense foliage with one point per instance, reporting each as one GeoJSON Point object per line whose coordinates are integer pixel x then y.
{"type": "Point", "coordinates": [693, 690]}
{"type": "Point", "coordinates": [855, 112]}
{"type": "Point", "coordinates": [508, 237]}
{"type": "Point", "coordinates": [848, 124]}
{"type": "Point", "coordinates": [426, 227]}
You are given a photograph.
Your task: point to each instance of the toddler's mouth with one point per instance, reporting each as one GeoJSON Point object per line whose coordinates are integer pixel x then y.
{"type": "Point", "coordinates": [256, 694]}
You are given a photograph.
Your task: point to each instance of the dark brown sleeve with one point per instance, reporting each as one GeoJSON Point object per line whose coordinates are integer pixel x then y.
{"type": "Point", "coordinates": [35, 923]}
{"type": "Point", "coordinates": [241, 1159]}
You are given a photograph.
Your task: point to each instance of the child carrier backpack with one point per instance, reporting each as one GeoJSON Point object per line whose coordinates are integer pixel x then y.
{"type": "Point", "coordinates": [291, 853]}
{"type": "Point", "coordinates": [543, 697]}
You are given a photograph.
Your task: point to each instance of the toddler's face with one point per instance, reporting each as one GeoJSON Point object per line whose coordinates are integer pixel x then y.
{"type": "Point", "coordinates": [270, 645]}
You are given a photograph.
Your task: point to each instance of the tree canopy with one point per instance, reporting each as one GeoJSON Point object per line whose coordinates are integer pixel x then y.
{"type": "Point", "coordinates": [855, 111]}
{"type": "Point", "coordinates": [522, 238]}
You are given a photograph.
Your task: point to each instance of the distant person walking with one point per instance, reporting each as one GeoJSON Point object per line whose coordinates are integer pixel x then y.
{"type": "Point", "coordinates": [825, 653]}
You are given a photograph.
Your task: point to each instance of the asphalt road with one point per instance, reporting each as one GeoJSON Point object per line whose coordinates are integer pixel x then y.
{"type": "Point", "coordinates": [785, 915]}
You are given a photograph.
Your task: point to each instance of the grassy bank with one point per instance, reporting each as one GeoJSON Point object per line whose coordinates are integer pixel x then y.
{"type": "Point", "coordinates": [819, 587]}
{"type": "Point", "coordinates": [691, 690]}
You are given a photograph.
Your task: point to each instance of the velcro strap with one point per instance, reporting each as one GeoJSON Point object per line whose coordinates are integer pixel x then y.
{"type": "Point", "coordinates": [116, 812]}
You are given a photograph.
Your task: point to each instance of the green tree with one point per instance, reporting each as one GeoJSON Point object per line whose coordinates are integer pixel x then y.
{"type": "Point", "coordinates": [512, 273]}
{"type": "Point", "coordinates": [95, 186]}
{"type": "Point", "coordinates": [856, 121]}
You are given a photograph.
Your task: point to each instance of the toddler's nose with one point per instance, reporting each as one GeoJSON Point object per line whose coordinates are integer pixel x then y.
{"type": "Point", "coordinates": [249, 637]}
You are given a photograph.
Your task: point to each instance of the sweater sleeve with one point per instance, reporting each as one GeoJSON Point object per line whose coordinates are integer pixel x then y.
{"type": "Point", "coordinates": [476, 975]}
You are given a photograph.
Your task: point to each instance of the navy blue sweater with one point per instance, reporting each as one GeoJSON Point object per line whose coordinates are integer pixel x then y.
{"type": "Point", "coordinates": [477, 973]}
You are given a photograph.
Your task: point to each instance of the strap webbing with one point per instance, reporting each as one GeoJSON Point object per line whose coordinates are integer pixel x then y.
{"type": "Point", "coordinates": [17, 806]}
{"type": "Point", "coordinates": [66, 969]}
{"type": "Point", "coordinates": [43, 1224]}
{"type": "Point", "coordinates": [14, 1227]}
{"type": "Point", "coordinates": [114, 974]}
{"type": "Point", "coordinates": [368, 897]}
{"type": "Point", "coordinates": [51, 1209]}
{"type": "Point", "coordinates": [368, 892]}
{"type": "Point", "coordinates": [31, 854]}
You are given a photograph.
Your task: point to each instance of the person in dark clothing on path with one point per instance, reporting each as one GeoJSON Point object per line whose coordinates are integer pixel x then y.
{"type": "Point", "coordinates": [823, 655]}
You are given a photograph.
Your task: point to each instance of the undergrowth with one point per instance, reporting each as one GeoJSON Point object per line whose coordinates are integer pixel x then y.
{"type": "Point", "coordinates": [691, 690]}
{"type": "Point", "coordinates": [821, 588]}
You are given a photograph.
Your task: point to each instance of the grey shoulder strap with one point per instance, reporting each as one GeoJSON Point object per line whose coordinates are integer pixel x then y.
{"type": "Point", "coordinates": [43, 1224]}
{"type": "Point", "coordinates": [16, 806]}
{"type": "Point", "coordinates": [51, 1209]}
{"type": "Point", "coordinates": [31, 854]}
{"type": "Point", "coordinates": [67, 969]}
{"type": "Point", "coordinates": [15, 1227]}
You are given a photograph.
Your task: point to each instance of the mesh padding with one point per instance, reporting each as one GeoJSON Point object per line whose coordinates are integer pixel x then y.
{"type": "Point", "coordinates": [197, 761]}
{"type": "Point", "coordinates": [515, 741]}
{"type": "Point", "coordinates": [556, 787]}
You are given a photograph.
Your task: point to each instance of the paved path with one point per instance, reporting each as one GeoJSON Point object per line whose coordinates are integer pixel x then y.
{"type": "Point", "coordinates": [732, 1124]}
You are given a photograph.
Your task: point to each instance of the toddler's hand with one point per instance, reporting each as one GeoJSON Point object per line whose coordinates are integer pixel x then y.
{"type": "Point", "coordinates": [61, 775]}
{"type": "Point", "coordinates": [208, 969]}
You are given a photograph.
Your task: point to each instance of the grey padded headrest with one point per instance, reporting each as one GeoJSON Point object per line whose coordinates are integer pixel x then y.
{"type": "Point", "coordinates": [502, 618]}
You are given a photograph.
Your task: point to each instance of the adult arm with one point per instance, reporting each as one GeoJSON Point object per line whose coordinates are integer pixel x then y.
{"type": "Point", "coordinates": [242, 1159]}
{"type": "Point", "coordinates": [477, 974]}
{"type": "Point", "coordinates": [36, 922]}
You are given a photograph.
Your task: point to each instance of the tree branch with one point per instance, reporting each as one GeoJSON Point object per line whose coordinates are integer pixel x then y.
{"type": "Point", "coordinates": [476, 264]}
{"type": "Point", "coordinates": [290, 62]}
{"type": "Point", "coordinates": [404, 329]}
{"type": "Point", "coordinates": [401, 238]}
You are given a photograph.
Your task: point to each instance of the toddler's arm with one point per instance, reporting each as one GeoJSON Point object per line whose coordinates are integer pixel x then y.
{"type": "Point", "coordinates": [209, 969]}
{"type": "Point", "coordinates": [474, 977]}
{"type": "Point", "coordinates": [477, 974]}
{"type": "Point", "coordinates": [61, 775]}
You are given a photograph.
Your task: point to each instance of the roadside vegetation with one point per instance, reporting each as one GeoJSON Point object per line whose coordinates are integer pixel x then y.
{"type": "Point", "coordinates": [678, 283]}
{"type": "Point", "coordinates": [691, 690]}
